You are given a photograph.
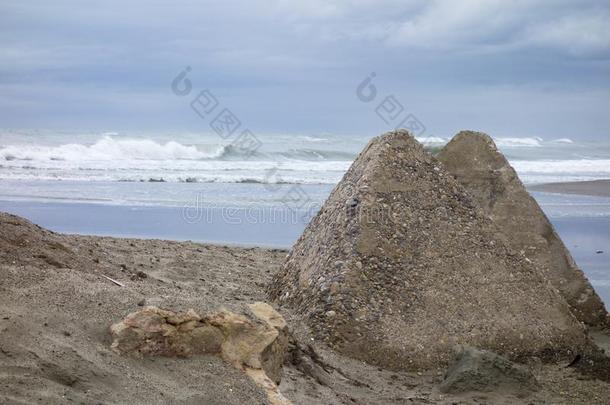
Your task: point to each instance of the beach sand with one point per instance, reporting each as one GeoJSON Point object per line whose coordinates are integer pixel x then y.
{"type": "Point", "coordinates": [56, 307]}
{"type": "Point", "coordinates": [599, 188]}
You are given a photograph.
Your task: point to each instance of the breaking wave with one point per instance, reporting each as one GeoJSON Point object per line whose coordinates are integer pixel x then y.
{"type": "Point", "coordinates": [108, 148]}
{"type": "Point", "coordinates": [299, 159]}
{"type": "Point", "coordinates": [519, 142]}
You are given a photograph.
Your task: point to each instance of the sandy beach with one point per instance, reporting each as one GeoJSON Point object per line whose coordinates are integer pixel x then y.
{"type": "Point", "coordinates": [62, 288]}
{"type": "Point", "coordinates": [599, 188]}
{"type": "Point", "coordinates": [57, 306]}
{"type": "Point", "coordinates": [61, 292]}
{"type": "Point", "coordinates": [305, 203]}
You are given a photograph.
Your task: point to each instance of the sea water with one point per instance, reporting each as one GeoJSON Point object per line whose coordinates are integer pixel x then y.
{"type": "Point", "coordinates": [191, 186]}
{"type": "Point", "coordinates": [276, 159]}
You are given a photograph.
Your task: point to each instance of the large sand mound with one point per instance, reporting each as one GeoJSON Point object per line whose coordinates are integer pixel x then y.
{"type": "Point", "coordinates": [56, 307]}
{"type": "Point", "coordinates": [400, 266]}
{"type": "Point", "coordinates": [472, 157]}
{"type": "Point", "coordinates": [23, 243]}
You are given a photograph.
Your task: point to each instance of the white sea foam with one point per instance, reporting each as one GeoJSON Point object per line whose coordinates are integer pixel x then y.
{"type": "Point", "coordinates": [430, 140]}
{"type": "Point", "coordinates": [563, 140]}
{"type": "Point", "coordinates": [302, 160]}
{"type": "Point", "coordinates": [554, 171]}
{"type": "Point", "coordinates": [599, 167]}
{"type": "Point", "coordinates": [528, 142]}
{"type": "Point", "coordinates": [518, 142]}
{"type": "Point", "coordinates": [313, 139]}
{"type": "Point", "coordinates": [109, 149]}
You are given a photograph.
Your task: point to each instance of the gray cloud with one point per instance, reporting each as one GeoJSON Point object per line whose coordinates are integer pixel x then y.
{"type": "Point", "coordinates": [293, 65]}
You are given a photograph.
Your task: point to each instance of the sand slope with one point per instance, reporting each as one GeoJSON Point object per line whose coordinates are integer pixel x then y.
{"type": "Point", "coordinates": [54, 340]}
{"type": "Point", "coordinates": [56, 310]}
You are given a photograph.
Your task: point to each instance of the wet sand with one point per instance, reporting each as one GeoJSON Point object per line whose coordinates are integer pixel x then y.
{"type": "Point", "coordinates": [600, 188]}
{"type": "Point", "coordinates": [258, 227]}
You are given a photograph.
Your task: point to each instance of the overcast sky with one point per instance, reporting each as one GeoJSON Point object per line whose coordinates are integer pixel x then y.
{"type": "Point", "coordinates": [511, 68]}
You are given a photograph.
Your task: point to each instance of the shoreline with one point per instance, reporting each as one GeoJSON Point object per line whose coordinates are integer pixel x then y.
{"type": "Point", "coordinates": [231, 227]}
{"type": "Point", "coordinates": [596, 188]}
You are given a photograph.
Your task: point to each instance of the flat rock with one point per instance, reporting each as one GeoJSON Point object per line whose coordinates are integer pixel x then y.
{"type": "Point", "coordinates": [255, 342]}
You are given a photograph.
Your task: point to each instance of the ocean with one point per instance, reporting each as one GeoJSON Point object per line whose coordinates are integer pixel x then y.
{"type": "Point", "coordinates": [278, 159]}
{"type": "Point", "coordinates": [258, 191]}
